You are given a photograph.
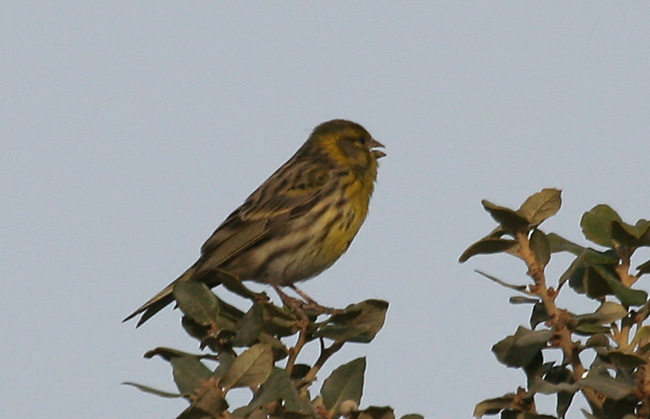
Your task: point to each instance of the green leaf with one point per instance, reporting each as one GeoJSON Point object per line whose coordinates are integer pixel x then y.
{"type": "Point", "coordinates": [166, 353]}
{"type": "Point", "coordinates": [627, 296]}
{"type": "Point", "coordinates": [541, 247]}
{"type": "Point", "coordinates": [520, 349]}
{"type": "Point", "coordinates": [375, 412]}
{"type": "Point", "coordinates": [644, 268]}
{"type": "Point", "coordinates": [631, 236]}
{"type": "Point", "coordinates": [248, 328]}
{"type": "Point", "coordinates": [522, 300]}
{"type": "Point", "coordinates": [516, 413]}
{"type": "Point", "coordinates": [278, 321]}
{"type": "Point", "coordinates": [642, 336]}
{"type": "Point", "coordinates": [234, 284]}
{"type": "Point", "coordinates": [544, 387]}
{"type": "Point", "coordinates": [251, 368]}
{"type": "Point", "coordinates": [562, 377]}
{"type": "Point", "coordinates": [187, 369]}
{"type": "Point", "coordinates": [541, 206]}
{"type": "Point", "coordinates": [597, 341]}
{"type": "Point", "coordinates": [538, 315]}
{"type": "Point", "coordinates": [520, 288]}
{"type": "Point", "coordinates": [278, 387]}
{"type": "Point", "coordinates": [578, 276]}
{"type": "Point", "coordinates": [643, 232]}
{"type": "Point", "coordinates": [594, 284]}
{"type": "Point", "coordinates": [345, 383]}
{"type": "Point", "coordinates": [560, 244]}
{"type": "Point", "coordinates": [591, 329]}
{"type": "Point", "coordinates": [225, 359]}
{"type": "Point", "coordinates": [300, 371]}
{"type": "Point", "coordinates": [624, 234]}
{"type": "Point", "coordinates": [595, 257]}
{"type": "Point", "coordinates": [557, 379]}
{"type": "Point", "coordinates": [563, 401]}
{"type": "Point", "coordinates": [195, 330]}
{"type": "Point", "coordinates": [494, 406]}
{"type": "Point", "coordinates": [509, 220]}
{"type": "Point", "coordinates": [152, 390]}
{"type": "Point", "coordinates": [197, 301]}
{"type": "Point", "coordinates": [208, 403]}
{"type": "Point", "coordinates": [575, 274]}
{"type": "Point", "coordinates": [614, 388]}
{"type": "Point", "coordinates": [597, 224]}
{"type": "Point", "coordinates": [228, 312]}
{"type": "Point", "coordinates": [357, 323]}
{"type": "Point", "coordinates": [189, 372]}
{"type": "Point", "coordinates": [219, 341]}
{"type": "Point", "coordinates": [625, 408]}
{"type": "Point", "coordinates": [527, 415]}
{"type": "Point", "coordinates": [487, 246]}
{"type": "Point", "coordinates": [607, 313]}
{"type": "Point", "coordinates": [280, 351]}
{"type": "Point", "coordinates": [622, 359]}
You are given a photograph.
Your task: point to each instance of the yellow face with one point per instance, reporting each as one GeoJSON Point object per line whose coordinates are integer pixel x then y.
{"type": "Point", "coordinates": [349, 145]}
{"type": "Point", "coordinates": [358, 150]}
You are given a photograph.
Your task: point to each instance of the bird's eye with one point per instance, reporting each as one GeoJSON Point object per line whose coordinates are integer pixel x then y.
{"type": "Point", "coordinates": [362, 140]}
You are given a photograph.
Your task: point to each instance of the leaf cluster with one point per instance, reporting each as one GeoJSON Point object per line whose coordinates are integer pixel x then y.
{"type": "Point", "coordinates": [616, 384]}
{"type": "Point", "coordinates": [249, 350]}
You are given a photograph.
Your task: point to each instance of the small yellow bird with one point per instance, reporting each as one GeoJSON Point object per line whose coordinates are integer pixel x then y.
{"type": "Point", "coordinates": [298, 222]}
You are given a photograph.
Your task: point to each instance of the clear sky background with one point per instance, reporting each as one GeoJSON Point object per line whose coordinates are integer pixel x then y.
{"type": "Point", "coordinates": [129, 130]}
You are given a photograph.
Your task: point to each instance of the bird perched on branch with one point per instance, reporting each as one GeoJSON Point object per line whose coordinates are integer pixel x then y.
{"type": "Point", "coordinates": [298, 222]}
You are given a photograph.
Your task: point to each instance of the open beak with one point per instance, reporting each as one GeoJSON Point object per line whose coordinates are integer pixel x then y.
{"type": "Point", "coordinates": [377, 153]}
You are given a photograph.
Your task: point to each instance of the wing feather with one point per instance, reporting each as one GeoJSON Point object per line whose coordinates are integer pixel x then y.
{"type": "Point", "coordinates": [268, 207]}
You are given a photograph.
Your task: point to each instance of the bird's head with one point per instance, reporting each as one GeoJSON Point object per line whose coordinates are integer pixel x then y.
{"type": "Point", "coordinates": [348, 144]}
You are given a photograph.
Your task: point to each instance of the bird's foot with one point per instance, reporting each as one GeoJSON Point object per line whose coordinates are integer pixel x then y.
{"type": "Point", "coordinates": [304, 308]}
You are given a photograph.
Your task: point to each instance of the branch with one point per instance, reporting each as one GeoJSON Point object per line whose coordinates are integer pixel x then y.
{"type": "Point", "coordinates": [302, 340]}
{"type": "Point", "coordinates": [557, 318]}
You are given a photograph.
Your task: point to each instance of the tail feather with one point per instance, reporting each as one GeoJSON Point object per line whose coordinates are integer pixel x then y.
{"type": "Point", "coordinates": [158, 301]}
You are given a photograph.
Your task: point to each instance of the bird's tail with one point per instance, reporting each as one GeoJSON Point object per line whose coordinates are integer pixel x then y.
{"type": "Point", "coordinates": [158, 301]}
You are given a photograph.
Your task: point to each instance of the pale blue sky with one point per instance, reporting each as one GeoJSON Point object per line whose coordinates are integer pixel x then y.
{"type": "Point", "coordinates": [129, 130]}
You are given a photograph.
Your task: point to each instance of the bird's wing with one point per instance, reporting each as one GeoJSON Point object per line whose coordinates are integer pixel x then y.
{"type": "Point", "coordinates": [285, 195]}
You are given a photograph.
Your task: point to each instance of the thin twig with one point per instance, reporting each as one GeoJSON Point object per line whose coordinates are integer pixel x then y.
{"type": "Point", "coordinates": [302, 340]}
{"type": "Point", "coordinates": [325, 354]}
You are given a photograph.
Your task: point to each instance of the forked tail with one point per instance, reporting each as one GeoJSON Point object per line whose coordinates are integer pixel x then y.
{"type": "Point", "coordinates": [158, 301]}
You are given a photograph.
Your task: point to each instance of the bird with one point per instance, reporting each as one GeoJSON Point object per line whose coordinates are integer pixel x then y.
{"type": "Point", "coordinates": [297, 223]}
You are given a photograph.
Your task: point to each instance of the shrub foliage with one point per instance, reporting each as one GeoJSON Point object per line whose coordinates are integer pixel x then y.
{"type": "Point", "coordinates": [248, 349]}
{"type": "Point", "coordinates": [603, 354]}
